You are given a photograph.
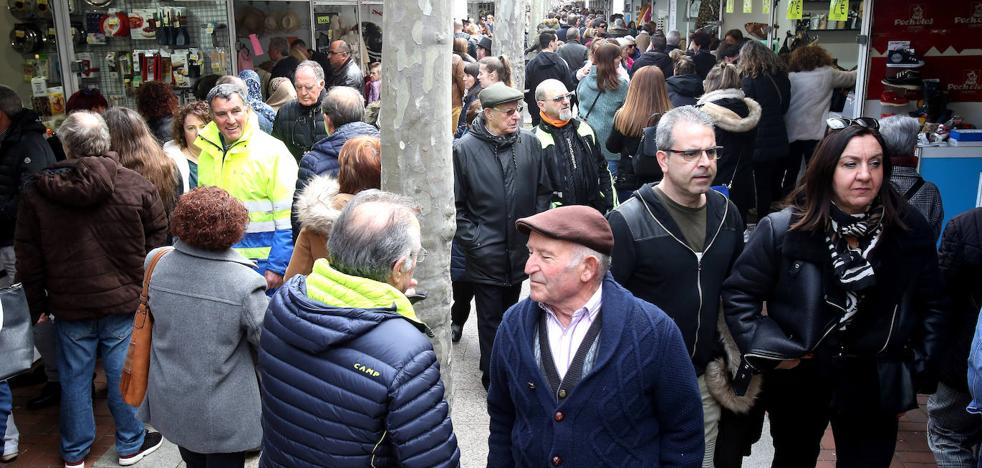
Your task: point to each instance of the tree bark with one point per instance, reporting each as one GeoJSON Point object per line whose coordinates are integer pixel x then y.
{"type": "Point", "coordinates": [509, 37]}
{"type": "Point", "coordinates": [416, 146]}
{"type": "Point", "coordinates": [537, 15]}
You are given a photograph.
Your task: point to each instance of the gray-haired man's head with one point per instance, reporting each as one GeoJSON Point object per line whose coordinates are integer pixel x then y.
{"type": "Point", "coordinates": [229, 110]}
{"type": "Point", "coordinates": [672, 118]}
{"type": "Point", "coordinates": [899, 134]}
{"type": "Point", "coordinates": [84, 133]}
{"type": "Point", "coordinates": [341, 106]}
{"type": "Point", "coordinates": [377, 236]}
{"type": "Point", "coordinates": [673, 38]}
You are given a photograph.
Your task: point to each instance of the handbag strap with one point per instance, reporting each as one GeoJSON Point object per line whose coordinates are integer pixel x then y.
{"type": "Point", "coordinates": [591, 105]}
{"type": "Point", "coordinates": [147, 274]}
{"type": "Point", "coordinates": [914, 188]}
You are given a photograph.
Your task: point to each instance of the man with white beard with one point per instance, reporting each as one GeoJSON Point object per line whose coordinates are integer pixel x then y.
{"type": "Point", "coordinates": [576, 166]}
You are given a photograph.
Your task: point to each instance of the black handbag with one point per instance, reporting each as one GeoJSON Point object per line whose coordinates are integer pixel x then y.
{"type": "Point", "coordinates": [16, 336]}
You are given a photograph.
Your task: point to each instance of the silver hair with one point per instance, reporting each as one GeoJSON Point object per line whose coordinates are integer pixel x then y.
{"type": "Point", "coordinates": [372, 232]}
{"type": "Point", "coordinates": [226, 91]}
{"type": "Point", "coordinates": [667, 123]}
{"type": "Point", "coordinates": [343, 105]}
{"type": "Point", "coordinates": [673, 38]}
{"type": "Point", "coordinates": [899, 134]}
{"type": "Point", "coordinates": [234, 80]}
{"type": "Point", "coordinates": [84, 133]}
{"type": "Point", "coordinates": [603, 261]}
{"type": "Point", "coordinates": [10, 103]}
{"type": "Point", "coordinates": [314, 68]}
{"type": "Point", "coordinates": [540, 91]}
{"type": "Point", "coordinates": [573, 34]}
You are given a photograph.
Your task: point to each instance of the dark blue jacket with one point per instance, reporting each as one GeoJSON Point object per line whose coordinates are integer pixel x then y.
{"type": "Point", "coordinates": [638, 406]}
{"type": "Point", "coordinates": [322, 159]}
{"type": "Point", "coordinates": [336, 391]}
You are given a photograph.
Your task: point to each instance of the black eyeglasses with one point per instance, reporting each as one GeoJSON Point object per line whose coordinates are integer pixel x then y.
{"type": "Point", "coordinates": [694, 154]}
{"type": "Point", "coordinates": [838, 123]}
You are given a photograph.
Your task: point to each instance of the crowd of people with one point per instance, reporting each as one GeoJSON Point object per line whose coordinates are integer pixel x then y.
{"type": "Point", "coordinates": [659, 330]}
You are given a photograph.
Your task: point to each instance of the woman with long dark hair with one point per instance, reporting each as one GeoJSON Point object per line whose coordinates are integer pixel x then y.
{"type": "Point", "coordinates": [600, 94]}
{"type": "Point", "coordinates": [138, 150]}
{"type": "Point", "coordinates": [849, 273]}
{"type": "Point", "coordinates": [647, 98]}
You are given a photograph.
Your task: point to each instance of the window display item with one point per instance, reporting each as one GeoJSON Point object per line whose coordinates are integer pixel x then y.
{"type": "Point", "coordinates": [892, 98]}
{"type": "Point", "coordinates": [143, 23]}
{"type": "Point", "coordinates": [115, 24]}
{"type": "Point", "coordinates": [907, 79]}
{"type": "Point", "coordinates": [26, 38]}
{"type": "Point", "coordinates": [42, 9]}
{"type": "Point", "coordinates": [56, 97]}
{"type": "Point", "coordinates": [903, 58]}
{"type": "Point", "coordinates": [21, 9]}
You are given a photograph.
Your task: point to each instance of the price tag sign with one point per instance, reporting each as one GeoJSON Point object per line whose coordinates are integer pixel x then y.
{"type": "Point", "coordinates": [795, 8]}
{"type": "Point", "coordinates": [729, 6]}
{"type": "Point", "coordinates": [765, 6]}
{"type": "Point", "coordinates": [839, 10]}
{"type": "Point", "coordinates": [748, 6]}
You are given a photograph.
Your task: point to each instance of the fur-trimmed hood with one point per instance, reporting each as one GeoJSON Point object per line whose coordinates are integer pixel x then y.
{"type": "Point", "coordinates": [720, 372]}
{"type": "Point", "coordinates": [718, 104]}
{"type": "Point", "coordinates": [319, 204]}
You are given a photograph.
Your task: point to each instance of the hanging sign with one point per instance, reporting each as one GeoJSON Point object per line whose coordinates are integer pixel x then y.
{"type": "Point", "coordinates": [839, 10]}
{"type": "Point", "coordinates": [765, 6]}
{"type": "Point", "coordinates": [794, 9]}
{"type": "Point", "coordinates": [729, 6]}
{"type": "Point", "coordinates": [748, 6]}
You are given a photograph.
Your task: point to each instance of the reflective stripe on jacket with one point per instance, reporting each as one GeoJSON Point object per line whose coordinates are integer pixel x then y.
{"type": "Point", "coordinates": [259, 171]}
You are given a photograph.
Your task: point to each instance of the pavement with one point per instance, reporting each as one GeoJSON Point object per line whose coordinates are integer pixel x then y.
{"type": "Point", "coordinates": [39, 429]}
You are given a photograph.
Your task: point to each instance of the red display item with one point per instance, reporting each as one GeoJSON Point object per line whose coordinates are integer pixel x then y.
{"type": "Point", "coordinates": [115, 25]}
{"type": "Point", "coordinates": [890, 98]}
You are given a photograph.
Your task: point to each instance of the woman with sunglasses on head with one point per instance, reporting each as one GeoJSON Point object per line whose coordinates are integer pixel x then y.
{"type": "Point", "coordinates": [850, 276]}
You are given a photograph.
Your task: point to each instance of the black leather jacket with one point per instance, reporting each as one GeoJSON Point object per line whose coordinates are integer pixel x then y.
{"type": "Point", "coordinates": [299, 126]}
{"type": "Point", "coordinates": [497, 180]}
{"type": "Point", "coordinates": [900, 319]}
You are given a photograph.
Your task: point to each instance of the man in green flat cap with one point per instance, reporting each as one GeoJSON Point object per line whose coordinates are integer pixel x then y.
{"type": "Point", "coordinates": [500, 176]}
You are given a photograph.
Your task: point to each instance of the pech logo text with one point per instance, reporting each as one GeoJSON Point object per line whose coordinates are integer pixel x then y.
{"type": "Point", "coordinates": [971, 83]}
{"type": "Point", "coordinates": [976, 17]}
{"type": "Point", "coordinates": [916, 18]}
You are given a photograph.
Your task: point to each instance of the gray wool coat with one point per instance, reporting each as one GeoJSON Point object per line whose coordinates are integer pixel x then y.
{"type": "Point", "coordinates": [208, 309]}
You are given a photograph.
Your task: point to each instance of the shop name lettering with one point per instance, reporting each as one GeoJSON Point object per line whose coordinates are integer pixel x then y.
{"type": "Point", "coordinates": [916, 18]}
{"type": "Point", "coordinates": [971, 83]}
{"type": "Point", "coordinates": [976, 17]}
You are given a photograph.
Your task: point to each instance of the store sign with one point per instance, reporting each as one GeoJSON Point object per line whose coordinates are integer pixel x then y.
{"type": "Point", "coordinates": [748, 6]}
{"type": "Point", "coordinates": [839, 10]}
{"type": "Point", "coordinates": [916, 17]}
{"type": "Point", "coordinates": [969, 83]}
{"type": "Point", "coordinates": [729, 6]}
{"type": "Point", "coordinates": [975, 18]}
{"type": "Point", "coordinates": [765, 6]}
{"type": "Point", "coordinates": [795, 8]}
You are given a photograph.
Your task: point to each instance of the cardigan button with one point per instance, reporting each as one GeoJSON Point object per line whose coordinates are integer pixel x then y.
{"type": "Point", "coordinates": [562, 393]}
{"type": "Point", "coordinates": [559, 416]}
{"type": "Point", "coordinates": [556, 461]}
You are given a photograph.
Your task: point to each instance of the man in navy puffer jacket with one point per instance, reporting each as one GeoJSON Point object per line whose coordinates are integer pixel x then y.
{"type": "Point", "coordinates": [344, 109]}
{"type": "Point", "coordinates": [349, 378]}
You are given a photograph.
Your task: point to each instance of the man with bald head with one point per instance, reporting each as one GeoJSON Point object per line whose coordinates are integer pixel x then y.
{"type": "Point", "coordinates": [576, 166]}
{"type": "Point", "coordinates": [344, 69]}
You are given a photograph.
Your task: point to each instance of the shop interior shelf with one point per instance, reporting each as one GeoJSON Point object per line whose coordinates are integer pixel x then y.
{"type": "Point", "coordinates": [905, 65]}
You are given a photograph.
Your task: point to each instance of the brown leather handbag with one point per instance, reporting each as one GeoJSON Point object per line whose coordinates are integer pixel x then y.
{"type": "Point", "coordinates": [136, 370]}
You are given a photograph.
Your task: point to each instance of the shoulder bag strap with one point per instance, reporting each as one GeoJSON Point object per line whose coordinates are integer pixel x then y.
{"type": "Point", "coordinates": [779, 96]}
{"type": "Point", "coordinates": [592, 105]}
{"type": "Point", "coordinates": [914, 188]}
{"type": "Point", "coordinates": [147, 274]}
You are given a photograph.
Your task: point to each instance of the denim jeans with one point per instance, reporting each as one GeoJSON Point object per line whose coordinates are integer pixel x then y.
{"type": "Point", "coordinates": [6, 406]}
{"type": "Point", "coordinates": [78, 343]}
{"type": "Point", "coordinates": [952, 432]}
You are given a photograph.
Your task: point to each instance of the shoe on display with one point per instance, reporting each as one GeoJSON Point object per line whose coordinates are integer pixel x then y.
{"type": "Point", "coordinates": [456, 331]}
{"type": "Point", "coordinates": [50, 395]}
{"type": "Point", "coordinates": [907, 79]}
{"type": "Point", "coordinates": [151, 442]}
{"type": "Point", "coordinates": [891, 98]}
{"type": "Point", "coordinates": [904, 58]}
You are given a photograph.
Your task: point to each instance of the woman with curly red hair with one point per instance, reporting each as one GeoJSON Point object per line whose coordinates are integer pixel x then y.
{"type": "Point", "coordinates": [208, 305]}
{"type": "Point", "coordinates": [157, 103]}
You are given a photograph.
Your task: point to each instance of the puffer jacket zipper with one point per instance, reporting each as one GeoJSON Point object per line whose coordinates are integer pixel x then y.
{"type": "Point", "coordinates": [699, 256]}
{"type": "Point", "coordinates": [893, 320]}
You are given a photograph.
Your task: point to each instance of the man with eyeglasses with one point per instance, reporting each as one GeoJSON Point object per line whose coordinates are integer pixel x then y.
{"type": "Point", "coordinates": [344, 70]}
{"type": "Point", "coordinates": [500, 176]}
{"type": "Point", "coordinates": [577, 168]}
{"type": "Point", "coordinates": [675, 242]}
{"type": "Point", "coordinates": [300, 123]}
{"type": "Point", "coordinates": [546, 65]}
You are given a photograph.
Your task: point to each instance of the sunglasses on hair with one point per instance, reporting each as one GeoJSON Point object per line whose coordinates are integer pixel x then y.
{"type": "Point", "coordinates": [838, 123]}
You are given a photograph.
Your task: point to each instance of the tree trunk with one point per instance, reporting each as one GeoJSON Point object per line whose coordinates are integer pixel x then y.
{"type": "Point", "coordinates": [537, 15]}
{"type": "Point", "coordinates": [416, 146]}
{"type": "Point", "coordinates": [509, 37]}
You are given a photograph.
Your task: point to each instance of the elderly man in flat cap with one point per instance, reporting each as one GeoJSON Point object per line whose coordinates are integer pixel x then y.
{"type": "Point", "coordinates": [499, 176]}
{"type": "Point", "coordinates": [583, 373]}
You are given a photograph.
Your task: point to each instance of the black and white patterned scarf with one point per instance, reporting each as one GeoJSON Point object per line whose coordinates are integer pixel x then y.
{"type": "Point", "coordinates": [851, 264]}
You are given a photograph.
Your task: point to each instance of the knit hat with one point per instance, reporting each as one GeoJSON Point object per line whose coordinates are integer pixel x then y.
{"type": "Point", "coordinates": [574, 223]}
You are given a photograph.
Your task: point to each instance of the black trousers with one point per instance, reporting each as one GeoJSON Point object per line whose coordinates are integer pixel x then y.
{"type": "Point", "coordinates": [797, 150]}
{"type": "Point", "coordinates": [768, 179]}
{"type": "Point", "coordinates": [737, 434]}
{"type": "Point", "coordinates": [460, 310]}
{"type": "Point", "coordinates": [801, 403]}
{"type": "Point", "coordinates": [212, 460]}
{"type": "Point", "coordinates": [492, 302]}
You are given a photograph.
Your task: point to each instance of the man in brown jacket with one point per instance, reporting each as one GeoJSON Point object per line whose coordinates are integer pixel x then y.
{"type": "Point", "coordinates": [84, 227]}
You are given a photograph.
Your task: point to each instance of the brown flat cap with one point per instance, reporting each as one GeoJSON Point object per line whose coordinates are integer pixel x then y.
{"type": "Point", "coordinates": [575, 223]}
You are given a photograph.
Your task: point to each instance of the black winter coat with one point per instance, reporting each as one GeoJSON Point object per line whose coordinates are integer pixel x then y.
{"type": "Point", "coordinates": [656, 58]}
{"type": "Point", "coordinates": [497, 180]}
{"type": "Point", "coordinates": [773, 93]}
{"type": "Point", "coordinates": [704, 62]}
{"type": "Point", "coordinates": [684, 90]}
{"type": "Point", "coordinates": [960, 260]}
{"type": "Point", "coordinates": [23, 152]}
{"type": "Point", "coordinates": [652, 260]}
{"type": "Point", "coordinates": [161, 128]}
{"type": "Point", "coordinates": [577, 168]}
{"type": "Point", "coordinates": [546, 65]}
{"type": "Point", "coordinates": [899, 324]}
{"type": "Point", "coordinates": [735, 121]}
{"type": "Point", "coordinates": [299, 126]}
